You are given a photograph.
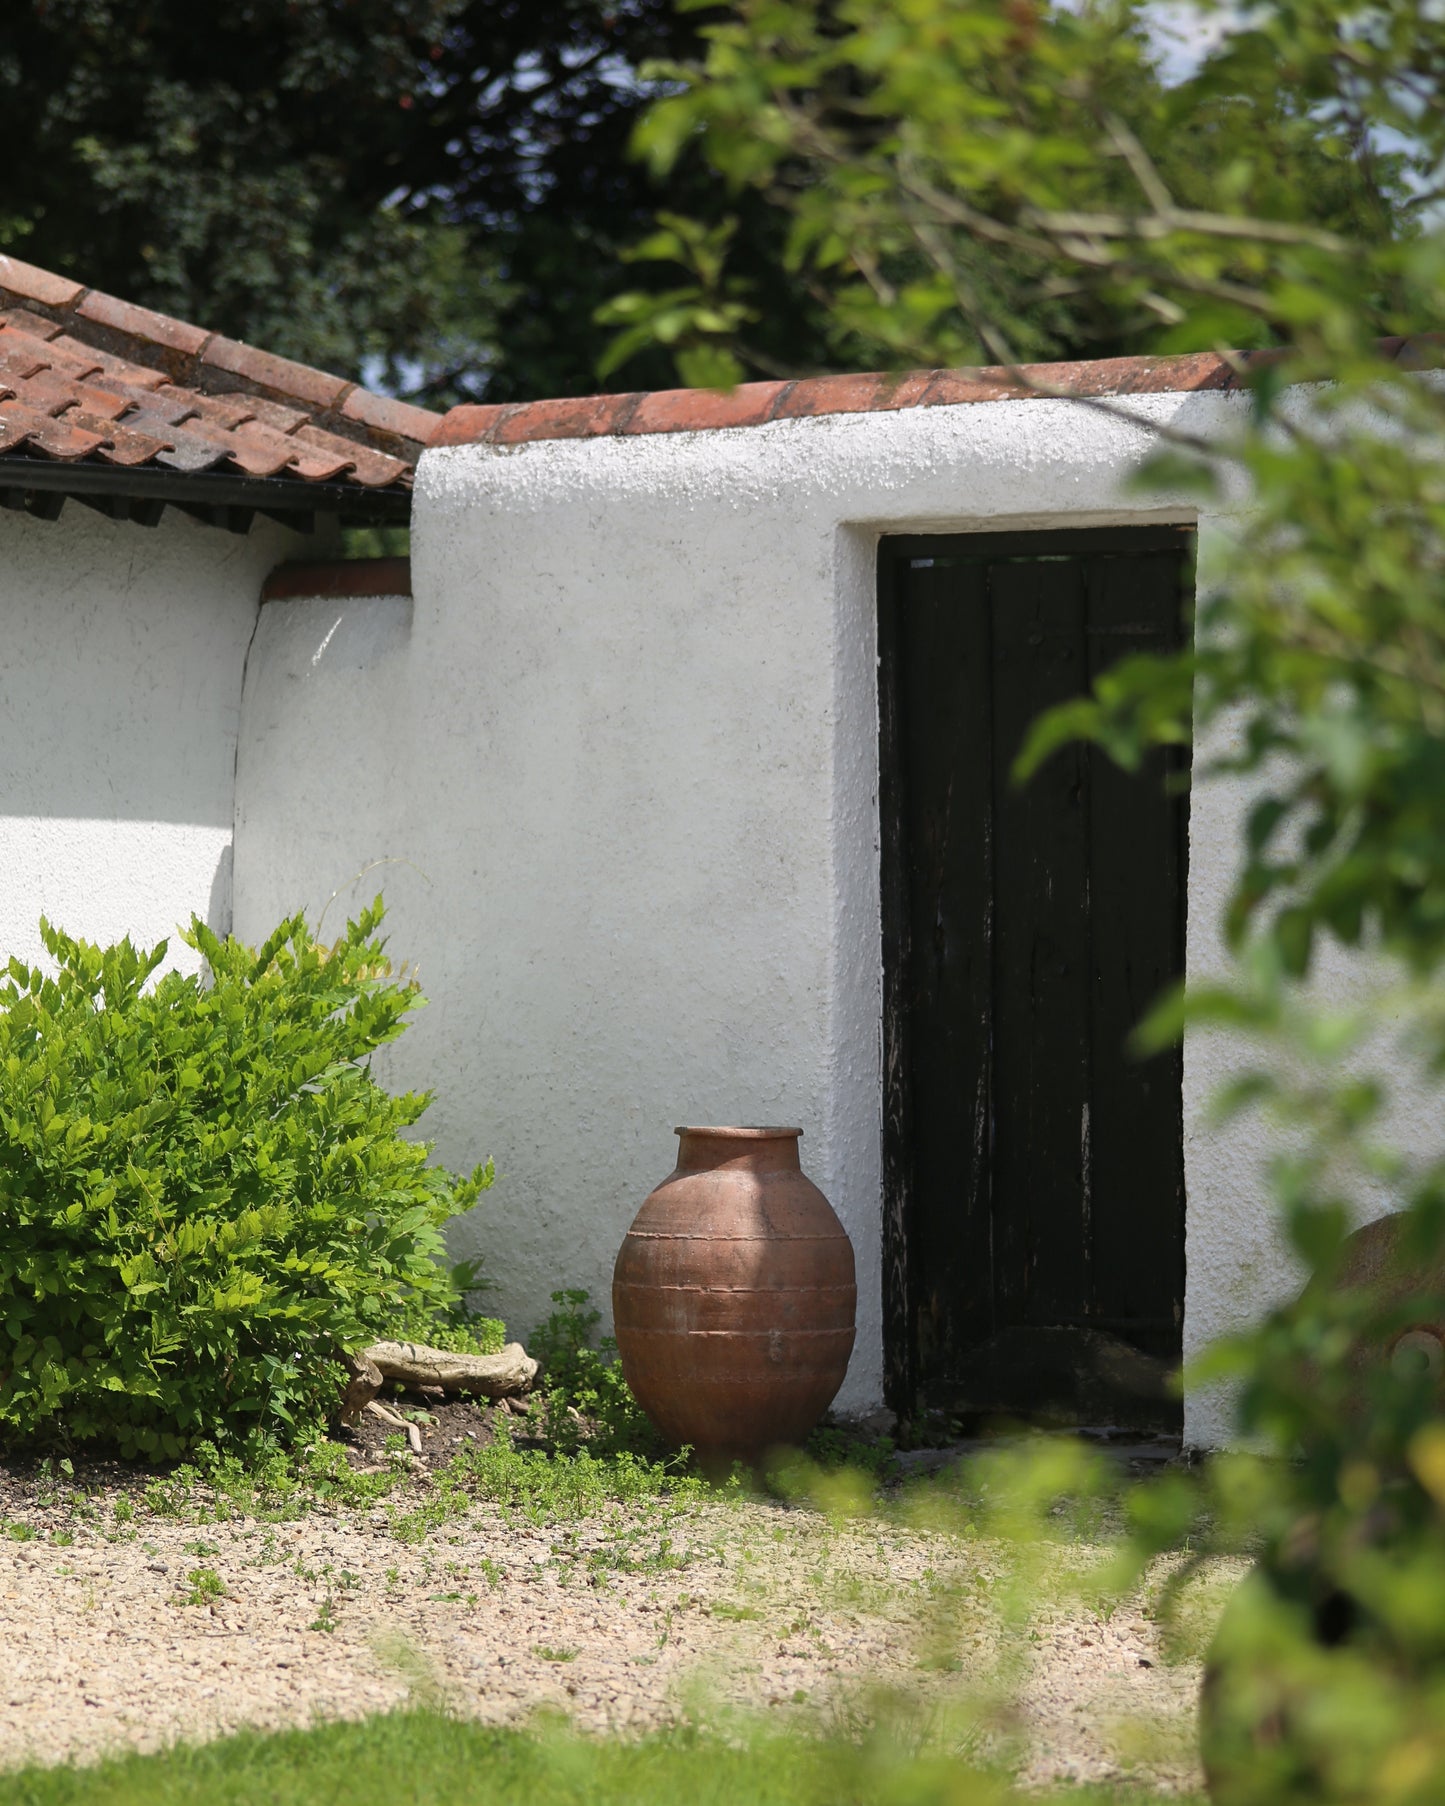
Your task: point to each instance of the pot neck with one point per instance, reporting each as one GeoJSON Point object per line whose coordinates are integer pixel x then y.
{"type": "Point", "coordinates": [750, 1150]}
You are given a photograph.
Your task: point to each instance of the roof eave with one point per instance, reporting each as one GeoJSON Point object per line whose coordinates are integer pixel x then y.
{"type": "Point", "coordinates": [224, 499]}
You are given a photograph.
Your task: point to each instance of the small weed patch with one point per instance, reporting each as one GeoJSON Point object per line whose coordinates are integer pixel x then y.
{"type": "Point", "coordinates": [203, 1587]}
{"type": "Point", "coordinates": [546, 1489]}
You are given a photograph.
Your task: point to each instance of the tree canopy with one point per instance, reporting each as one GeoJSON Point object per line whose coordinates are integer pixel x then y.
{"type": "Point", "coordinates": [440, 194]}
{"type": "Point", "coordinates": [1006, 180]}
{"type": "Point", "coordinates": [436, 191]}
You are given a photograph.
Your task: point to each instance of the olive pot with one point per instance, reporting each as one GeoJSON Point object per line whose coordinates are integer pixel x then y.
{"type": "Point", "coordinates": [734, 1297]}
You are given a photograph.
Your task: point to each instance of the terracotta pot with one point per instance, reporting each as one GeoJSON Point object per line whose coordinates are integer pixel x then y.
{"type": "Point", "coordinates": [734, 1296]}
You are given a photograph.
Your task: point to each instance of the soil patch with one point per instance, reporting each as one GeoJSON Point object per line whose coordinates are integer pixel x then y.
{"type": "Point", "coordinates": [445, 1425]}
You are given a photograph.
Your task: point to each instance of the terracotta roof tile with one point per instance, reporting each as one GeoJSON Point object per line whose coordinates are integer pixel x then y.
{"type": "Point", "coordinates": [22, 426]}
{"type": "Point", "coordinates": [36, 326]}
{"type": "Point", "coordinates": [316, 463]}
{"type": "Point", "coordinates": [570, 417]}
{"type": "Point", "coordinates": [31, 284]}
{"type": "Point", "coordinates": [852, 394]}
{"type": "Point", "coordinates": [285, 420]}
{"type": "Point", "coordinates": [189, 452]}
{"type": "Point", "coordinates": [259, 450]}
{"type": "Point", "coordinates": [374, 469]}
{"type": "Point", "coordinates": [223, 411]}
{"type": "Point", "coordinates": [697, 410]}
{"type": "Point", "coordinates": [86, 376]}
{"type": "Point", "coordinates": [140, 322]}
{"type": "Point", "coordinates": [471, 422]}
{"type": "Point", "coordinates": [267, 371]}
{"type": "Point", "coordinates": [19, 361]}
{"type": "Point", "coordinates": [170, 404]}
{"type": "Point", "coordinates": [118, 444]}
{"type": "Point", "coordinates": [398, 418]}
{"type": "Point", "coordinates": [43, 392]}
{"type": "Point", "coordinates": [68, 358]}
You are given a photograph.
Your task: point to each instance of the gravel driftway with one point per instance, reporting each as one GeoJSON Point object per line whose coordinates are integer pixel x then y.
{"type": "Point", "coordinates": [622, 1621]}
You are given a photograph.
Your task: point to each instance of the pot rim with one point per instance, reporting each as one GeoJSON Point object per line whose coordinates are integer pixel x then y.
{"type": "Point", "coordinates": [748, 1132]}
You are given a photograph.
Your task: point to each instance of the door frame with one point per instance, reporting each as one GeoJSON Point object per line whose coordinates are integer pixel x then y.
{"type": "Point", "coordinates": [895, 551]}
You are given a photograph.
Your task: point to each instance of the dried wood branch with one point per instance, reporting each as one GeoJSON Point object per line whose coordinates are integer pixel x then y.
{"type": "Point", "coordinates": [390, 1418]}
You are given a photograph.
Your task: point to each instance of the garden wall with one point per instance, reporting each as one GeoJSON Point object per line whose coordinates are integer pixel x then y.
{"type": "Point", "coordinates": [621, 752]}
{"type": "Point", "coordinates": [121, 654]}
{"type": "Point", "coordinates": [615, 767]}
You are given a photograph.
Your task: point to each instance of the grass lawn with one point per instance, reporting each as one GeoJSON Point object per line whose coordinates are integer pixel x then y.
{"type": "Point", "coordinates": [420, 1758]}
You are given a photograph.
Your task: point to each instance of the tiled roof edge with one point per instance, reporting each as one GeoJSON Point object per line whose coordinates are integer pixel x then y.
{"type": "Point", "coordinates": [755, 404]}
{"type": "Point", "coordinates": [210, 362]}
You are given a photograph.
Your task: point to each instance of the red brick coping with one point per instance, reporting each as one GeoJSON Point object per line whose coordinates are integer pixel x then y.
{"type": "Point", "coordinates": [754, 404]}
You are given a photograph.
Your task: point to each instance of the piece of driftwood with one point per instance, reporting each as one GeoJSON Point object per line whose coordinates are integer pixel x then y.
{"type": "Point", "coordinates": [363, 1385]}
{"type": "Point", "coordinates": [494, 1376]}
{"type": "Point", "coordinates": [413, 1433]}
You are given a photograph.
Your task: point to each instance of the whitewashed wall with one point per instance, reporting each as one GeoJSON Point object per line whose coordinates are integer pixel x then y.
{"type": "Point", "coordinates": [622, 755]}
{"type": "Point", "coordinates": [121, 655]}
{"type": "Point", "coordinates": [616, 770]}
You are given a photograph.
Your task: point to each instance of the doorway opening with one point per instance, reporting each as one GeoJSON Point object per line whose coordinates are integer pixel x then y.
{"type": "Point", "coordinates": [1034, 1167]}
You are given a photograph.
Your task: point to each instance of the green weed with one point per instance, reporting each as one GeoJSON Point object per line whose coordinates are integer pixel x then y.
{"type": "Point", "coordinates": [544, 1489]}
{"type": "Point", "coordinates": [584, 1396]}
{"type": "Point", "coordinates": [204, 1587]}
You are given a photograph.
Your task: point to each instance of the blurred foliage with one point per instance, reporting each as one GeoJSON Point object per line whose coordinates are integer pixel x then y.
{"type": "Point", "coordinates": [949, 171]}
{"type": "Point", "coordinates": [376, 542]}
{"type": "Point", "coordinates": [429, 1757]}
{"type": "Point", "coordinates": [969, 180]}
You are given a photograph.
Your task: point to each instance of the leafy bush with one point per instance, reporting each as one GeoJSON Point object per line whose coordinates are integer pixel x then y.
{"type": "Point", "coordinates": [451, 1324]}
{"type": "Point", "coordinates": [583, 1391]}
{"type": "Point", "coordinates": [204, 1196]}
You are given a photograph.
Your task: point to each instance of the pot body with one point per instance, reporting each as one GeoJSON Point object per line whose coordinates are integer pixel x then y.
{"type": "Point", "coordinates": [734, 1296]}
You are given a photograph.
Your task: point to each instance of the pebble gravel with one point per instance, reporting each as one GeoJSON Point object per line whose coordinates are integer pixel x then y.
{"type": "Point", "coordinates": [132, 1634]}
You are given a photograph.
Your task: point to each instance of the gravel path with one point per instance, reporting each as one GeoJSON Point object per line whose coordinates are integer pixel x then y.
{"type": "Point", "coordinates": [133, 1635]}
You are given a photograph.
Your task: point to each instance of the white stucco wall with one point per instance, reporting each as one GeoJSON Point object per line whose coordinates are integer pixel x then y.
{"type": "Point", "coordinates": [618, 762]}
{"type": "Point", "coordinates": [623, 751]}
{"type": "Point", "coordinates": [121, 656]}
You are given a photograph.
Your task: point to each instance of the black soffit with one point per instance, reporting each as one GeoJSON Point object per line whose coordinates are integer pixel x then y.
{"type": "Point", "coordinates": [42, 486]}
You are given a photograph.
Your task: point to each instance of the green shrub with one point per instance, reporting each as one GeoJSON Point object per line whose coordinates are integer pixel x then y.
{"type": "Point", "coordinates": [204, 1196]}
{"type": "Point", "coordinates": [450, 1324]}
{"type": "Point", "coordinates": [580, 1379]}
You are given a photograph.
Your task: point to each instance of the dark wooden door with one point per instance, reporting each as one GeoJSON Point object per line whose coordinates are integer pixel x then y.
{"type": "Point", "coordinates": [1035, 1208]}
